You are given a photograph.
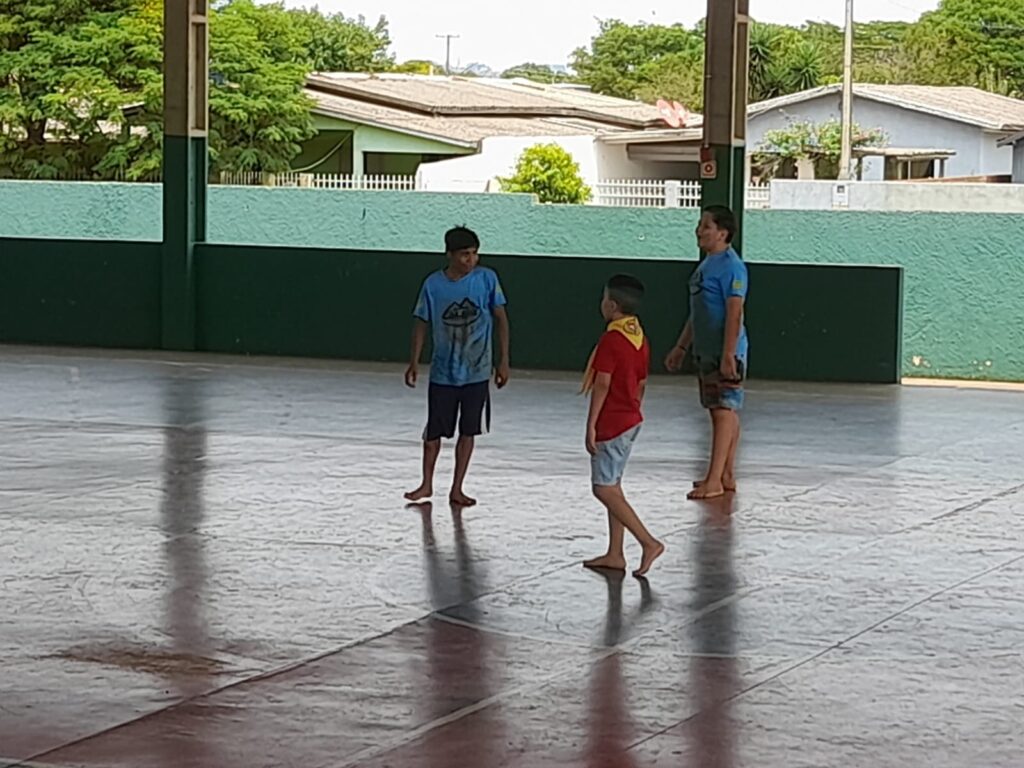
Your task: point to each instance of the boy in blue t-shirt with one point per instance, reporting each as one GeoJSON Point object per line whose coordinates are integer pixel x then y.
{"type": "Point", "coordinates": [716, 331]}
{"type": "Point", "coordinates": [462, 305]}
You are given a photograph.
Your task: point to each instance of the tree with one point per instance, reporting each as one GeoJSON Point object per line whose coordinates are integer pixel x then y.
{"type": "Point", "coordinates": [821, 143]}
{"type": "Point", "coordinates": [419, 67]}
{"type": "Point", "coordinates": [971, 42]}
{"type": "Point", "coordinates": [334, 43]}
{"type": "Point", "coordinates": [549, 172]}
{"type": "Point", "coordinates": [674, 77]}
{"type": "Point", "coordinates": [539, 73]}
{"type": "Point", "coordinates": [258, 110]}
{"type": "Point", "coordinates": [63, 83]}
{"type": "Point", "coordinates": [624, 57]}
{"type": "Point", "coordinates": [81, 84]}
{"type": "Point", "coordinates": [782, 61]}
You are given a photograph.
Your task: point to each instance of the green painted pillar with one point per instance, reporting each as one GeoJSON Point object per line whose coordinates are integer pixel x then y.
{"type": "Point", "coordinates": [186, 36]}
{"type": "Point", "coordinates": [723, 155]}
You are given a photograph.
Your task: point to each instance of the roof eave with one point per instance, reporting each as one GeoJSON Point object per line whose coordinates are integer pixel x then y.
{"type": "Point", "coordinates": [338, 88]}
{"type": "Point", "coordinates": [341, 115]}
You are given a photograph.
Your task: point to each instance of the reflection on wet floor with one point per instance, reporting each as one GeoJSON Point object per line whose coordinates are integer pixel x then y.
{"type": "Point", "coordinates": [208, 562]}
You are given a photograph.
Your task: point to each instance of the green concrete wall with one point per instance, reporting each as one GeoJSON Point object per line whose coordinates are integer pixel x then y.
{"type": "Point", "coordinates": [301, 302]}
{"type": "Point", "coordinates": [963, 276]}
{"type": "Point", "coordinates": [80, 293]}
{"type": "Point", "coordinates": [285, 301]}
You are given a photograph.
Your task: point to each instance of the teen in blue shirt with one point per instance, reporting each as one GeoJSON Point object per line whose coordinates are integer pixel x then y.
{"type": "Point", "coordinates": [718, 290]}
{"type": "Point", "coordinates": [462, 305]}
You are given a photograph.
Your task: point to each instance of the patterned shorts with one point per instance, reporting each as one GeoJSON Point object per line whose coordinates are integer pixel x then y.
{"type": "Point", "coordinates": [715, 392]}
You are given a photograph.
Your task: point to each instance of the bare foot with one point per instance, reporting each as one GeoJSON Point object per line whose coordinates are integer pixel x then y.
{"type": "Point", "coordinates": [423, 492]}
{"type": "Point", "coordinates": [608, 562]}
{"type": "Point", "coordinates": [651, 553]}
{"type": "Point", "coordinates": [459, 499]}
{"type": "Point", "coordinates": [705, 492]}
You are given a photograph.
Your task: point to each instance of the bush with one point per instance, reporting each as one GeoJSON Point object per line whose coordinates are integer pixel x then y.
{"type": "Point", "coordinates": [549, 172]}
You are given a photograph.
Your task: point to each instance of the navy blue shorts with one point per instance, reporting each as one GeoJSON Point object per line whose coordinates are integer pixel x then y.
{"type": "Point", "coordinates": [468, 406]}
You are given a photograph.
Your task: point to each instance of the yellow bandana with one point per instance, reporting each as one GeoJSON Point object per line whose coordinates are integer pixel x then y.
{"type": "Point", "coordinates": [628, 327]}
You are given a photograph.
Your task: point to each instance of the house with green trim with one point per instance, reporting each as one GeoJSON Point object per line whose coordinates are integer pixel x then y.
{"type": "Point", "coordinates": [394, 124]}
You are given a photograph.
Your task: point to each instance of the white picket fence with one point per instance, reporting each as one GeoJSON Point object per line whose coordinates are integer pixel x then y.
{"type": "Point", "coordinates": [622, 193]}
{"type": "Point", "coordinates": [319, 181]}
{"type": "Point", "coordinates": [652, 193]}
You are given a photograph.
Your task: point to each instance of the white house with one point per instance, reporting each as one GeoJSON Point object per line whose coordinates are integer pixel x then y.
{"type": "Point", "coordinates": [1016, 142]}
{"type": "Point", "coordinates": [945, 131]}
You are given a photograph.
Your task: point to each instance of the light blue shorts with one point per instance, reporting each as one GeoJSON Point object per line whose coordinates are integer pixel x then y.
{"type": "Point", "coordinates": [609, 463]}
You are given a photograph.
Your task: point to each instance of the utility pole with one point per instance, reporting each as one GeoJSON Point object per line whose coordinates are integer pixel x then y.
{"type": "Point", "coordinates": [447, 51]}
{"type": "Point", "coordinates": [846, 151]}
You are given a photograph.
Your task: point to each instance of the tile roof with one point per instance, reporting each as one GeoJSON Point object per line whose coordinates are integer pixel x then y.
{"type": "Point", "coordinates": [960, 103]}
{"type": "Point", "coordinates": [464, 97]}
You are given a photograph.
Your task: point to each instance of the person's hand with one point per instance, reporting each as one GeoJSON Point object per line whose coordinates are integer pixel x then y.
{"type": "Point", "coordinates": [728, 369]}
{"type": "Point", "coordinates": [411, 374]}
{"type": "Point", "coordinates": [674, 359]}
{"type": "Point", "coordinates": [502, 375]}
{"type": "Point", "coordinates": [591, 441]}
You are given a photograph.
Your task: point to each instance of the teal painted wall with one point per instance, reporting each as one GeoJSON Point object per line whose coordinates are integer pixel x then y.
{"type": "Point", "coordinates": [964, 273]}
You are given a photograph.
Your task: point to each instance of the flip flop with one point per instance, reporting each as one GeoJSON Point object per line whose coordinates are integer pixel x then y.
{"type": "Point", "coordinates": [699, 483]}
{"type": "Point", "coordinates": [695, 496]}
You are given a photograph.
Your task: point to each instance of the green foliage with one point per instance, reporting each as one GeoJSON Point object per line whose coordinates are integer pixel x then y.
{"type": "Point", "coordinates": [675, 77]}
{"type": "Point", "coordinates": [334, 43]}
{"type": "Point", "coordinates": [549, 172]}
{"type": "Point", "coordinates": [804, 139]}
{"type": "Point", "coordinates": [624, 57]}
{"type": "Point", "coordinates": [965, 42]}
{"type": "Point", "coordinates": [821, 143]}
{"type": "Point", "coordinates": [783, 60]}
{"type": "Point", "coordinates": [258, 111]}
{"type": "Point", "coordinates": [62, 83]}
{"type": "Point", "coordinates": [419, 67]}
{"type": "Point", "coordinates": [539, 73]}
{"type": "Point", "coordinates": [971, 42]}
{"type": "Point", "coordinates": [81, 84]}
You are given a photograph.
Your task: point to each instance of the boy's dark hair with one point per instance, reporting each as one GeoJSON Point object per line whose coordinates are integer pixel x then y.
{"type": "Point", "coordinates": [724, 218]}
{"type": "Point", "coordinates": [460, 238]}
{"type": "Point", "coordinates": [626, 291]}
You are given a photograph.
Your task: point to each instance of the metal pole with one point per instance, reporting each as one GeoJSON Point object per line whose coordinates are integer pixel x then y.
{"type": "Point", "coordinates": [186, 118]}
{"type": "Point", "coordinates": [447, 51]}
{"type": "Point", "coordinates": [723, 155]}
{"type": "Point", "coordinates": [846, 151]}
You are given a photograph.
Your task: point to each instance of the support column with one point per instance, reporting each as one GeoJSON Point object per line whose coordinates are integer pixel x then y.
{"type": "Point", "coordinates": [723, 155]}
{"type": "Point", "coordinates": [186, 45]}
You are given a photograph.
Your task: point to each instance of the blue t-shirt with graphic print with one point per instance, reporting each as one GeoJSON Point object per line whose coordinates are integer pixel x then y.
{"type": "Point", "coordinates": [461, 316]}
{"type": "Point", "coordinates": [717, 278]}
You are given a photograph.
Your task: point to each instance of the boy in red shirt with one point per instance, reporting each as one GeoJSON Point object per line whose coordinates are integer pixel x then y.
{"type": "Point", "coordinates": [616, 378]}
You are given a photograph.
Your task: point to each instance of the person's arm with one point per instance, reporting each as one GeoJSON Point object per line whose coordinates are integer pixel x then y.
{"type": "Point", "coordinates": [735, 290]}
{"type": "Point", "coordinates": [419, 338]}
{"type": "Point", "coordinates": [686, 337]}
{"type": "Point", "coordinates": [674, 359]}
{"type": "Point", "coordinates": [733, 323]}
{"type": "Point", "coordinates": [642, 390]}
{"type": "Point", "coordinates": [421, 321]}
{"type": "Point", "coordinates": [598, 395]}
{"type": "Point", "coordinates": [498, 301]}
{"type": "Point", "coordinates": [503, 372]}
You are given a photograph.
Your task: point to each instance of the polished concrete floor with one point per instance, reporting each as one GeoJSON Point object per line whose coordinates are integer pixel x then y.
{"type": "Point", "coordinates": [207, 562]}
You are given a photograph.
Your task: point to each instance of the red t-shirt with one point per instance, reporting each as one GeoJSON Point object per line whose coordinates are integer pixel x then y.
{"type": "Point", "coordinates": [628, 366]}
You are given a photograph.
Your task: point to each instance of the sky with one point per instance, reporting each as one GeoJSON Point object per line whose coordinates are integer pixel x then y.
{"type": "Point", "coordinates": [511, 32]}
